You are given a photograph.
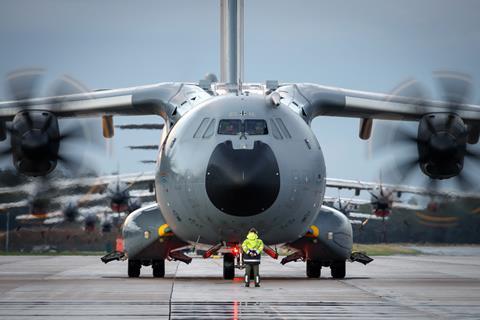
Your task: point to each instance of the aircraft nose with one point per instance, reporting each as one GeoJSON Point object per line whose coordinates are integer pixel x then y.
{"type": "Point", "coordinates": [242, 182]}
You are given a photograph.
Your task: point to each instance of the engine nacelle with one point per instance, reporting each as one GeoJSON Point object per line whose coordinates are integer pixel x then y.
{"type": "Point", "coordinates": [35, 142]}
{"type": "Point", "coordinates": [442, 140]}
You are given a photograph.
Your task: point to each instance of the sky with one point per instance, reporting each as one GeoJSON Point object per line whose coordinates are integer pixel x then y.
{"type": "Point", "coordinates": [370, 45]}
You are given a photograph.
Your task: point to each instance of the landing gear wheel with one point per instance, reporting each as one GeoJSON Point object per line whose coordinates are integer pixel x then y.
{"type": "Point", "coordinates": [134, 268]}
{"type": "Point", "coordinates": [313, 269]}
{"type": "Point", "coordinates": [158, 267]}
{"type": "Point", "coordinates": [228, 266]}
{"type": "Point", "coordinates": [337, 269]}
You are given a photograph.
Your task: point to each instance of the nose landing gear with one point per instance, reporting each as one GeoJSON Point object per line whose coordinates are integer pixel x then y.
{"type": "Point", "coordinates": [228, 266]}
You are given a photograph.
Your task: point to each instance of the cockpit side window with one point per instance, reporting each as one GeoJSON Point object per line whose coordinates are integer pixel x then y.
{"type": "Point", "coordinates": [256, 127]}
{"type": "Point", "coordinates": [275, 131]}
{"type": "Point", "coordinates": [283, 128]}
{"type": "Point", "coordinates": [230, 126]}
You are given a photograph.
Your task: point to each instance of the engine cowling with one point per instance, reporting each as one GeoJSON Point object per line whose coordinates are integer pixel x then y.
{"type": "Point", "coordinates": [442, 141]}
{"type": "Point", "coordinates": [35, 142]}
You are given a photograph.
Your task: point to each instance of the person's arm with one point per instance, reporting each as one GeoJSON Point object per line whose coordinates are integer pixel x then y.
{"type": "Point", "coordinates": [260, 246]}
{"type": "Point", "coordinates": [244, 246]}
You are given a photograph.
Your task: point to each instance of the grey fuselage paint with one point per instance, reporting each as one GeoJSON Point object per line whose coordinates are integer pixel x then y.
{"type": "Point", "coordinates": [182, 169]}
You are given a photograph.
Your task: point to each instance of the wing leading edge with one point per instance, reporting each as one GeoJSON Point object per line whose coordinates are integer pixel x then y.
{"type": "Point", "coordinates": [169, 100]}
{"type": "Point", "coordinates": [312, 100]}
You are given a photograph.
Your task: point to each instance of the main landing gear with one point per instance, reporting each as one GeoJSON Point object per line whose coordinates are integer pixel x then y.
{"type": "Point", "coordinates": [228, 266]}
{"type": "Point", "coordinates": [337, 269]}
{"type": "Point", "coordinates": [158, 267]}
{"type": "Point", "coordinates": [134, 268]}
{"type": "Point", "coordinates": [313, 269]}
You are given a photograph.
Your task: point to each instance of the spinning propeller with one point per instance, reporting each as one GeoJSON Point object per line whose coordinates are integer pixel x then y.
{"type": "Point", "coordinates": [441, 138]}
{"type": "Point", "coordinates": [35, 137]}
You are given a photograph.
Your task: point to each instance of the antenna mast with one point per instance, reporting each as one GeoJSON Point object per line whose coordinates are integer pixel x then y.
{"type": "Point", "coordinates": [231, 42]}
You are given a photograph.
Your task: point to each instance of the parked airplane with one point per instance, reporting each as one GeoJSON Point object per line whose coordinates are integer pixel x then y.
{"type": "Point", "coordinates": [235, 155]}
{"type": "Point", "coordinates": [385, 197]}
{"type": "Point", "coordinates": [121, 199]}
{"type": "Point", "coordinates": [108, 200]}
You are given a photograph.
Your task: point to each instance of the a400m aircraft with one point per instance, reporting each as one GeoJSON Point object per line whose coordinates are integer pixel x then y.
{"type": "Point", "coordinates": [236, 155]}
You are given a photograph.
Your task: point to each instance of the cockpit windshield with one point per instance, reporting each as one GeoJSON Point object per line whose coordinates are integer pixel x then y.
{"type": "Point", "coordinates": [256, 127]}
{"type": "Point", "coordinates": [247, 127]}
{"type": "Point", "coordinates": [230, 126]}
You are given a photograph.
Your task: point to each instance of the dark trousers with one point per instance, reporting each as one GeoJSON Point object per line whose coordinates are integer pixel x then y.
{"type": "Point", "coordinates": [256, 273]}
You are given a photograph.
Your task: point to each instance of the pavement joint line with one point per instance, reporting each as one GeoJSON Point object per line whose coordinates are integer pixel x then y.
{"type": "Point", "coordinates": [392, 301]}
{"type": "Point", "coordinates": [171, 292]}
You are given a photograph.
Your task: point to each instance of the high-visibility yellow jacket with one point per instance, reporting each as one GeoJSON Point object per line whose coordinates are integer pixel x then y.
{"type": "Point", "coordinates": [252, 243]}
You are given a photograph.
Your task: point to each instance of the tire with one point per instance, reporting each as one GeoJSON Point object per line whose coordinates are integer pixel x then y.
{"type": "Point", "coordinates": [134, 268]}
{"type": "Point", "coordinates": [313, 269]}
{"type": "Point", "coordinates": [228, 266]}
{"type": "Point", "coordinates": [158, 268]}
{"type": "Point", "coordinates": [337, 269]}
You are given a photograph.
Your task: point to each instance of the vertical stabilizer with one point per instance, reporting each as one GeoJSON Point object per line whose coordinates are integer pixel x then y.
{"type": "Point", "coordinates": [231, 41]}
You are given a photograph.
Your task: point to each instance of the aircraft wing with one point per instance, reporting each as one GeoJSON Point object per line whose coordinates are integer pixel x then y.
{"type": "Point", "coordinates": [361, 185]}
{"type": "Point", "coordinates": [82, 185]}
{"type": "Point", "coordinates": [169, 100]}
{"type": "Point", "coordinates": [350, 201]}
{"type": "Point", "coordinates": [86, 192]}
{"type": "Point", "coordinates": [12, 205]}
{"type": "Point", "coordinates": [312, 100]}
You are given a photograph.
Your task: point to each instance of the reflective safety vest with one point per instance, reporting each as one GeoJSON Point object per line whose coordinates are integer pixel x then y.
{"type": "Point", "coordinates": [252, 243]}
{"type": "Point", "coordinates": [251, 258]}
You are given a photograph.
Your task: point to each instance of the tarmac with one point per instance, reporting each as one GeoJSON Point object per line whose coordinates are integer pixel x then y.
{"type": "Point", "coordinates": [82, 287]}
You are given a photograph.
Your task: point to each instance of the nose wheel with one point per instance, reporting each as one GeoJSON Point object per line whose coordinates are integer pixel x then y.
{"type": "Point", "coordinates": [228, 266]}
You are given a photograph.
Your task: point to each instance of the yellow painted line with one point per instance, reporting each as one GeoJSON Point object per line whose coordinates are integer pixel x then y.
{"type": "Point", "coordinates": [436, 218]}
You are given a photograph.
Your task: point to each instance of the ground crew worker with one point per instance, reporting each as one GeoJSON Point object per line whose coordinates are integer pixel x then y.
{"type": "Point", "coordinates": [252, 248]}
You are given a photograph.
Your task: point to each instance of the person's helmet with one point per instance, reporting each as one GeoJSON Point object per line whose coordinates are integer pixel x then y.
{"type": "Point", "coordinates": [253, 230]}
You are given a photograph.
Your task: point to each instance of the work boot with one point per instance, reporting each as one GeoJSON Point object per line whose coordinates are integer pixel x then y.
{"type": "Point", "coordinates": [257, 281]}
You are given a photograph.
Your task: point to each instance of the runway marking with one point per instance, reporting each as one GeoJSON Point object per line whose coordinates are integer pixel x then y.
{"type": "Point", "coordinates": [291, 309]}
{"type": "Point", "coordinates": [397, 287]}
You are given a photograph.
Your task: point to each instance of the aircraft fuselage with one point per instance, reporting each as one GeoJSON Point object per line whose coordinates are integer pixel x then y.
{"type": "Point", "coordinates": [236, 162]}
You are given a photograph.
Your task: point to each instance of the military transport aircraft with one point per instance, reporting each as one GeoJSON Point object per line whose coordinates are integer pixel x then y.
{"type": "Point", "coordinates": [81, 200]}
{"type": "Point", "coordinates": [385, 197]}
{"type": "Point", "coordinates": [235, 155]}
